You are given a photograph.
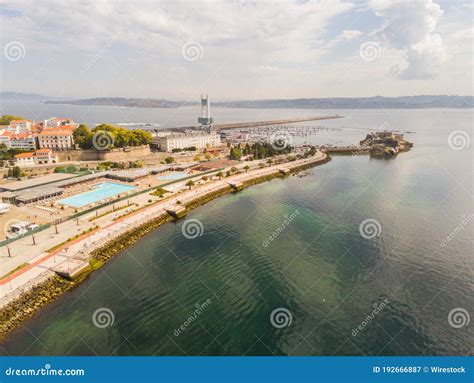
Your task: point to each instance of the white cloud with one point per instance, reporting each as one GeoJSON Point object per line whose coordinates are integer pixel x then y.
{"type": "Point", "coordinates": [259, 49]}
{"type": "Point", "coordinates": [410, 27]}
{"type": "Point", "coordinates": [350, 34]}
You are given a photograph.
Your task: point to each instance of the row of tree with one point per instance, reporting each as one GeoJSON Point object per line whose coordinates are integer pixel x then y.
{"type": "Point", "coordinates": [258, 150]}
{"type": "Point", "coordinates": [6, 118]}
{"type": "Point", "coordinates": [107, 136]}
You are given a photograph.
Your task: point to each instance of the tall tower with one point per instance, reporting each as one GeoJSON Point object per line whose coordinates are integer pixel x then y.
{"type": "Point", "coordinates": [205, 118]}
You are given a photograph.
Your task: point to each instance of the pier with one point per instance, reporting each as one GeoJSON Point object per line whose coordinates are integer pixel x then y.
{"type": "Point", "coordinates": [241, 125]}
{"type": "Point", "coordinates": [346, 150]}
{"type": "Point", "coordinates": [237, 186]}
{"type": "Point", "coordinates": [177, 211]}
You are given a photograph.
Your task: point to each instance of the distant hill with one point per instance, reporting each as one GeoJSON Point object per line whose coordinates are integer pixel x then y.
{"type": "Point", "coordinates": [126, 102]}
{"type": "Point", "coordinates": [377, 102]}
{"type": "Point", "coordinates": [23, 96]}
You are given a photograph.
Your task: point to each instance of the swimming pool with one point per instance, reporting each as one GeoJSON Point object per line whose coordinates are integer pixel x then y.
{"type": "Point", "coordinates": [173, 176]}
{"type": "Point", "coordinates": [99, 192]}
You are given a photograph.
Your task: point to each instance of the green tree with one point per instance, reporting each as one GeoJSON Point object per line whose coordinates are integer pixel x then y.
{"type": "Point", "coordinates": [169, 160]}
{"type": "Point", "coordinates": [220, 175]}
{"type": "Point", "coordinates": [121, 137]}
{"type": "Point", "coordinates": [82, 137]}
{"type": "Point", "coordinates": [247, 149]}
{"type": "Point", "coordinates": [6, 118]}
{"type": "Point", "coordinates": [71, 169]}
{"type": "Point", "coordinates": [15, 172]}
{"type": "Point", "coordinates": [246, 167]}
{"type": "Point", "coordinates": [235, 153]}
{"type": "Point", "coordinates": [190, 184]}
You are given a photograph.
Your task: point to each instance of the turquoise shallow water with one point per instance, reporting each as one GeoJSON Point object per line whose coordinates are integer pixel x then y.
{"type": "Point", "coordinates": [99, 192]}
{"type": "Point", "coordinates": [345, 294]}
{"type": "Point", "coordinates": [172, 176]}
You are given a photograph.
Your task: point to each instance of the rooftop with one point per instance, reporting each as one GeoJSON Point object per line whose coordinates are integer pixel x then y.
{"type": "Point", "coordinates": [38, 181]}
{"type": "Point", "coordinates": [36, 193]}
{"type": "Point", "coordinates": [55, 132]}
{"type": "Point", "coordinates": [25, 155]}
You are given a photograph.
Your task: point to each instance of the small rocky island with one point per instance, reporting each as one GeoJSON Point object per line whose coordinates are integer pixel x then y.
{"type": "Point", "coordinates": [386, 144]}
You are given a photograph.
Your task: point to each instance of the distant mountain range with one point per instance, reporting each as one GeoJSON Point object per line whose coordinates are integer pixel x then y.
{"type": "Point", "coordinates": [127, 102]}
{"type": "Point", "coordinates": [8, 96]}
{"type": "Point", "coordinates": [377, 102]}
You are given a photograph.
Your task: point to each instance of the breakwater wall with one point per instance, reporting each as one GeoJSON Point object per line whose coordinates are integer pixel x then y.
{"type": "Point", "coordinates": [272, 122]}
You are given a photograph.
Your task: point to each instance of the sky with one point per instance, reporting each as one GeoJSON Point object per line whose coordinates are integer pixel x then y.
{"type": "Point", "coordinates": [237, 49]}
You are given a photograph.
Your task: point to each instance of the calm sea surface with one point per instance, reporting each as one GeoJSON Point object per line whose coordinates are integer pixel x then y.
{"type": "Point", "coordinates": [336, 292]}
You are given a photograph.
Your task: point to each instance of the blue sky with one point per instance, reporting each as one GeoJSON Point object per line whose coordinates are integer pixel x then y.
{"type": "Point", "coordinates": [237, 50]}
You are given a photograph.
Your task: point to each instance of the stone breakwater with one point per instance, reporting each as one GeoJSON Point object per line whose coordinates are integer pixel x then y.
{"type": "Point", "coordinates": [39, 295]}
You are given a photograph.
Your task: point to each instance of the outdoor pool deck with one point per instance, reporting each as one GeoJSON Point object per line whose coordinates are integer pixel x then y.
{"type": "Point", "coordinates": [173, 176]}
{"type": "Point", "coordinates": [98, 193]}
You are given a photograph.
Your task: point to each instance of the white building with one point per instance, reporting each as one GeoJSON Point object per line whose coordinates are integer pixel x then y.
{"type": "Point", "coordinates": [4, 208]}
{"type": "Point", "coordinates": [56, 122]}
{"type": "Point", "coordinates": [46, 156]}
{"type": "Point", "coordinates": [57, 139]}
{"type": "Point", "coordinates": [40, 157]}
{"type": "Point", "coordinates": [181, 141]}
{"type": "Point", "coordinates": [25, 159]}
{"type": "Point", "coordinates": [24, 141]}
{"type": "Point", "coordinates": [20, 126]}
{"type": "Point", "coordinates": [5, 138]}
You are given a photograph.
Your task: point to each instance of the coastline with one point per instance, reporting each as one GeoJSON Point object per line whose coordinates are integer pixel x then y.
{"type": "Point", "coordinates": [48, 289]}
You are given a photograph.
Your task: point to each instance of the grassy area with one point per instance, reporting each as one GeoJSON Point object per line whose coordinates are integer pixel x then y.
{"type": "Point", "coordinates": [14, 270]}
{"type": "Point", "coordinates": [159, 192]}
